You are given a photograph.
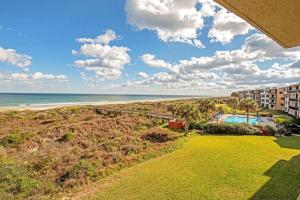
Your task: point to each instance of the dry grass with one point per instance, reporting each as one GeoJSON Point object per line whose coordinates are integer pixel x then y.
{"type": "Point", "coordinates": [62, 149]}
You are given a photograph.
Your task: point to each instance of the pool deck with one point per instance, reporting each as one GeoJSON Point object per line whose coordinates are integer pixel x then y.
{"type": "Point", "coordinates": [263, 120]}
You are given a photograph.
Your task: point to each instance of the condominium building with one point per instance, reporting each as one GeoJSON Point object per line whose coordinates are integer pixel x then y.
{"type": "Point", "coordinates": [280, 100]}
{"type": "Point", "coordinates": [292, 106]}
{"type": "Point", "coordinates": [286, 99]}
{"type": "Point", "coordinates": [245, 94]}
{"type": "Point", "coordinates": [272, 98]}
{"type": "Point", "coordinates": [264, 97]}
{"type": "Point", "coordinates": [256, 96]}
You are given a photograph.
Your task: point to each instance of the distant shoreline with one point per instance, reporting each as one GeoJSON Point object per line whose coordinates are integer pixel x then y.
{"type": "Point", "coordinates": [39, 107]}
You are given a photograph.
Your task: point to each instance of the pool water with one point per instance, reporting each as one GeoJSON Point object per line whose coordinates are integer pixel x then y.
{"type": "Point", "coordinates": [240, 119]}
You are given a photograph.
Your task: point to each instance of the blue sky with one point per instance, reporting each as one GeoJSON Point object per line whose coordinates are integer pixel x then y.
{"type": "Point", "coordinates": [37, 39]}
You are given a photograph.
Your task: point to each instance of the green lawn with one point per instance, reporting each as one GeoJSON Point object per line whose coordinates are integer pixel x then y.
{"type": "Point", "coordinates": [215, 167]}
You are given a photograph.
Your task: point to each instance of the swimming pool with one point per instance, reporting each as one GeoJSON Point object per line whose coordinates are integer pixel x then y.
{"type": "Point", "coordinates": [241, 119]}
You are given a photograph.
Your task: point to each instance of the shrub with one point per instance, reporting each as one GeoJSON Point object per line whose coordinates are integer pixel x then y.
{"type": "Point", "coordinates": [283, 120]}
{"type": "Point", "coordinates": [67, 137]}
{"type": "Point", "coordinates": [231, 129]}
{"type": "Point", "coordinates": [14, 138]}
{"type": "Point", "coordinates": [270, 130]}
{"type": "Point", "coordinates": [158, 135]}
{"type": "Point", "coordinates": [195, 126]}
{"type": "Point", "coordinates": [129, 150]}
{"type": "Point", "coordinates": [15, 182]}
{"type": "Point", "coordinates": [86, 168]}
{"type": "Point", "coordinates": [42, 163]}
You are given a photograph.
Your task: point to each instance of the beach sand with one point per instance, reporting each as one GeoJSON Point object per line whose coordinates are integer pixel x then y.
{"type": "Point", "coordinates": [38, 107]}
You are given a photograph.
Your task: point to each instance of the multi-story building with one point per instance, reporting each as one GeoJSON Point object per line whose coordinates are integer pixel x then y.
{"type": "Point", "coordinates": [256, 96]}
{"type": "Point", "coordinates": [293, 105]}
{"type": "Point", "coordinates": [272, 98]}
{"type": "Point", "coordinates": [280, 100]}
{"type": "Point", "coordinates": [245, 94]}
{"type": "Point", "coordinates": [264, 97]}
{"type": "Point", "coordinates": [286, 99]}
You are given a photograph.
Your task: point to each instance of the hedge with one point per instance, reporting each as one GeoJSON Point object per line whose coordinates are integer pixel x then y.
{"type": "Point", "coordinates": [231, 129]}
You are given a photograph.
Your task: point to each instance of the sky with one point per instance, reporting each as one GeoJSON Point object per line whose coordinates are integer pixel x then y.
{"type": "Point", "coordinates": [191, 47]}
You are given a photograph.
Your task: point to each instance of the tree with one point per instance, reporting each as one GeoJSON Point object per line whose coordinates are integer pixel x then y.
{"type": "Point", "coordinates": [173, 109]}
{"type": "Point", "coordinates": [233, 102]}
{"type": "Point", "coordinates": [235, 94]}
{"type": "Point", "coordinates": [248, 104]}
{"type": "Point", "coordinates": [189, 113]}
{"type": "Point", "coordinates": [207, 106]}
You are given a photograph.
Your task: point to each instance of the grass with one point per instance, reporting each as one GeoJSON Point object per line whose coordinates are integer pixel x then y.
{"type": "Point", "coordinates": [214, 167]}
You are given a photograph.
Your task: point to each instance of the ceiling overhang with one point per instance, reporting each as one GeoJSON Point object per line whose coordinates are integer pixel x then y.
{"type": "Point", "coordinates": [279, 19]}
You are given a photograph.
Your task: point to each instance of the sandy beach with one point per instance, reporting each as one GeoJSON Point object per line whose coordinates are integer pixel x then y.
{"type": "Point", "coordinates": [38, 107]}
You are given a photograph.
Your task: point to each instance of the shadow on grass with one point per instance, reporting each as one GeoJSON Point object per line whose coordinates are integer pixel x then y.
{"type": "Point", "coordinates": [288, 142]}
{"type": "Point", "coordinates": [285, 175]}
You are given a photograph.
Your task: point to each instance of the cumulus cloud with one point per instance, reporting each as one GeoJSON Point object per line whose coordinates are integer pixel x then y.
{"type": "Point", "coordinates": [172, 20]}
{"type": "Point", "coordinates": [106, 38]}
{"type": "Point", "coordinates": [226, 26]}
{"type": "Point", "coordinates": [151, 60]}
{"type": "Point", "coordinates": [32, 78]}
{"type": "Point", "coordinates": [37, 76]}
{"type": "Point", "coordinates": [229, 70]}
{"type": "Point", "coordinates": [142, 75]}
{"type": "Point", "coordinates": [181, 21]}
{"type": "Point", "coordinates": [106, 61]}
{"type": "Point", "coordinates": [12, 57]}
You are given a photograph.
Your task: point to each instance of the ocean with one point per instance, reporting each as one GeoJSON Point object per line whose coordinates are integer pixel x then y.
{"type": "Point", "coordinates": [40, 100]}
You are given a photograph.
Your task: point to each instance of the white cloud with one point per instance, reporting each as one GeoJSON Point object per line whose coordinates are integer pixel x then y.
{"type": "Point", "coordinates": [106, 38]}
{"type": "Point", "coordinates": [12, 57]}
{"type": "Point", "coordinates": [33, 78]}
{"type": "Point", "coordinates": [229, 70]}
{"type": "Point", "coordinates": [181, 21]}
{"type": "Point", "coordinates": [37, 76]}
{"type": "Point", "coordinates": [151, 60]}
{"type": "Point", "coordinates": [172, 20]}
{"type": "Point", "coordinates": [226, 26]}
{"type": "Point", "coordinates": [106, 61]}
{"type": "Point", "coordinates": [142, 75]}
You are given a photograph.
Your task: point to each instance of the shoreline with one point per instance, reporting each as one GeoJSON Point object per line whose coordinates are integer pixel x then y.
{"type": "Point", "coordinates": [40, 107]}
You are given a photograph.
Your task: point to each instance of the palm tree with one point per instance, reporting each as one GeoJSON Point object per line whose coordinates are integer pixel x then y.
{"type": "Point", "coordinates": [189, 113]}
{"type": "Point", "coordinates": [235, 94]}
{"type": "Point", "coordinates": [234, 103]}
{"type": "Point", "coordinates": [173, 109]}
{"type": "Point", "coordinates": [248, 104]}
{"type": "Point", "coordinates": [207, 106]}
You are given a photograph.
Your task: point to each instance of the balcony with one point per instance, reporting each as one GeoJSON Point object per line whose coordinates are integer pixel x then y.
{"type": "Point", "coordinates": [294, 107]}
{"type": "Point", "coordinates": [293, 91]}
{"type": "Point", "coordinates": [293, 99]}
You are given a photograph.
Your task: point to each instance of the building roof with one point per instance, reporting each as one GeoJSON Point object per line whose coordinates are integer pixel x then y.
{"type": "Point", "coordinates": [279, 19]}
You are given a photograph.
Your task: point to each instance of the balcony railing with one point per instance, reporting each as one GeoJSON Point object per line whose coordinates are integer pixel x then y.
{"type": "Point", "coordinates": [293, 91]}
{"type": "Point", "coordinates": [294, 107]}
{"type": "Point", "coordinates": [293, 99]}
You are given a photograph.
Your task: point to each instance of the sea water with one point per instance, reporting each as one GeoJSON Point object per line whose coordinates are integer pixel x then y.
{"type": "Point", "coordinates": [35, 100]}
